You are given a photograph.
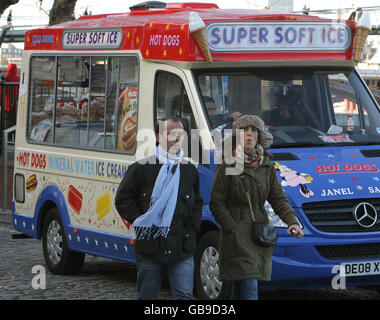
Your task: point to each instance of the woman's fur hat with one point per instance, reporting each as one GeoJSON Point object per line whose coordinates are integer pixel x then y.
{"type": "Point", "coordinates": [265, 139]}
{"type": "Point", "coordinates": [227, 149]}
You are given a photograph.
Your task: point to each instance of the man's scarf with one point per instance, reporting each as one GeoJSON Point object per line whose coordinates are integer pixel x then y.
{"type": "Point", "coordinates": [157, 220]}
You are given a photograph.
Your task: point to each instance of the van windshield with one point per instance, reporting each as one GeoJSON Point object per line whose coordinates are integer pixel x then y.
{"type": "Point", "coordinates": [300, 107]}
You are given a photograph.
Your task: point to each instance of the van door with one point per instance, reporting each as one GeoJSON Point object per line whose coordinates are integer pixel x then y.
{"type": "Point", "coordinates": [173, 97]}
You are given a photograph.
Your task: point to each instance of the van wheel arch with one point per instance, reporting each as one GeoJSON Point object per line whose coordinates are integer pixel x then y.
{"type": "Point", "coordinates": [46, 207]}
{"type": "Point", "coordinates": [50, 197]}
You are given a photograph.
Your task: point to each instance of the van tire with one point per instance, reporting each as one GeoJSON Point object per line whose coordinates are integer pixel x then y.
{"type": "Point", "coordinates": [207, 283]}
{"type": "Point", "coordinates": [59, 259]}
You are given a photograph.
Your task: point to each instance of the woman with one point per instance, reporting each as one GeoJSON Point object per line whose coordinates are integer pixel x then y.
{"type": "Point", "coordinates": [241, 260]}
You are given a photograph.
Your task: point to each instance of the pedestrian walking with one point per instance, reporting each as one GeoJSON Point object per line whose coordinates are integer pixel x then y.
{"type": "Point", "coordinates": [12, 93]}
{"type": "Point", "coordinates": [242, 260]}
{"type": "Point", "coordinates": [160, 197]}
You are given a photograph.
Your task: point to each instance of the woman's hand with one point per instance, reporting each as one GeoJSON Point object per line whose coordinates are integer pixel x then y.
{"type": "Point", "coordinates": [295, 231]}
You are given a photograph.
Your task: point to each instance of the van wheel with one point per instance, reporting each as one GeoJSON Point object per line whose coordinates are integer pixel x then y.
{"type": "Point", "coordinates": [58, 257]}
{"type": "Point", "coordinates": [207, 282]}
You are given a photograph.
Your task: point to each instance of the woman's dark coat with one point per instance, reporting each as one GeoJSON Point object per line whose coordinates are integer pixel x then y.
{"type": "Point", "coordinates": [240, 258]}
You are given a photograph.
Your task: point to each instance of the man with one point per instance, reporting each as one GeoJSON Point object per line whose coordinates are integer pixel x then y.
{"type": "Point", "coordinates": [161, 199]}
{"type": "Point", "coordinates": [218, 118]}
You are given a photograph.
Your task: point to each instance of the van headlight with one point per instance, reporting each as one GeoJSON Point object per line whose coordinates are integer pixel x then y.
{"type": "Point", "coordinates": [274, 219]}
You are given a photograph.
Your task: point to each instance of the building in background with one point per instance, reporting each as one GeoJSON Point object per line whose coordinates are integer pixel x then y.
{"type": "Point", "coordinates": [9, 53]}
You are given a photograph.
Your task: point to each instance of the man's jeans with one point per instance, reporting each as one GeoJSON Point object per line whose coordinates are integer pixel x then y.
{"type": "Point", "coordinates": [150, 274]}
{"type": "Point", "coordinates": [245, 290]}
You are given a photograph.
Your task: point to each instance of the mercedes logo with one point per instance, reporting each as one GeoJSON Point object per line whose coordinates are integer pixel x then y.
{"type": "Point", "coordinates": [365, 214]}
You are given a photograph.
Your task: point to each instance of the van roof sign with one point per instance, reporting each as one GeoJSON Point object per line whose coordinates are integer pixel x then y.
{"type": "Point", "coordinates": [230, 35]}
{"type": "Point", "coordinates": [278, 36]}
{"type": "Point", "coordinates": [92, 39]}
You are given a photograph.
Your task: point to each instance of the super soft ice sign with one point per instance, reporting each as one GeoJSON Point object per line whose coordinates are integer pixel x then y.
{"type": "Point", "coordinates": [278, 36]}
{"type": "Point", "coordinates": [92, 39]}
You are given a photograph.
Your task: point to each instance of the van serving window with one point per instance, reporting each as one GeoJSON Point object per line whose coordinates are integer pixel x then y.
{"type": "Point", "coordinates": [92, 104]}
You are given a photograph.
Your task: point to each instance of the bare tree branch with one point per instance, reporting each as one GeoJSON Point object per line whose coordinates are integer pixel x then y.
{"type": "Point", "coordinates": [5, 4]}
{"type": "Point", "coordinates": [61, 11]}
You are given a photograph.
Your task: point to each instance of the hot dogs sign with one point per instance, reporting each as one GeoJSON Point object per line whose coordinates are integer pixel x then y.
{"type": "Point", "coordinates": [78, 166]}
{"type": "Point", "coordinates": [89, 200]}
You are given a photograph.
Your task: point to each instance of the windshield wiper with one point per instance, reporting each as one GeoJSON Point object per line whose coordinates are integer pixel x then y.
{"type": "Point", "coordinates": [299, 145]}
{"type": "Point", "coordinates": [365, 143]}
{"type": "Point", "coordinates": [340, 144]}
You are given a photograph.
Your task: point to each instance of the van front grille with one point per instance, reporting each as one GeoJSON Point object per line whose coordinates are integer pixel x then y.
{"type": "Point", "coordinates": [284, 156]}
{"type": "Point", "coordinates": [361, 251]}
{"type": "Point", "coordinates": [337, 217]}
{"type": "Point", "coordinates": [371, 153]}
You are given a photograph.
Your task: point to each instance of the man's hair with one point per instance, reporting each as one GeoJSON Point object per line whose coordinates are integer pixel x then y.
{"type": "Point", "coordinates": [164, 119]}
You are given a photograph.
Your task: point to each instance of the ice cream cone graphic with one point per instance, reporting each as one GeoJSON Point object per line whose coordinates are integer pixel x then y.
{"type": "Point", "coordinates": [362, 30]}
{"type": "Point", "coordinates": [198, 30]}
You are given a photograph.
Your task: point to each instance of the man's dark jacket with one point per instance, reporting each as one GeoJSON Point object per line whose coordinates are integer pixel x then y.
{"type": "Point", "coordinates": [133, 199]}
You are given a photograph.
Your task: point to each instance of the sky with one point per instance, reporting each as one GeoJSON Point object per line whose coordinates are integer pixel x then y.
{"type": "Point", "coordinates": [27, 12]}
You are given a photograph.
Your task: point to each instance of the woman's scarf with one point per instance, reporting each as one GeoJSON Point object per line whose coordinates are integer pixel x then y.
{"type": "Point", "coordinates": [251, 158]}
{"type": "Point", "coordinates": [156, 221]}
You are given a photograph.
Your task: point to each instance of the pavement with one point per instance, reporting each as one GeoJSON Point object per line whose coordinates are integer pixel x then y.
{"type": "Point", "coordinates": [100, 278]}
{"type": "Point", "coordinates": [22, 267]}
{"type": "Point", "coordinates": [5, 217]}
{"type": "Point", "coordinates": [9, 182]}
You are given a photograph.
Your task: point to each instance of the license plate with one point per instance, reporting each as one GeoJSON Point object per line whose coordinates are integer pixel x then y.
{"type": "Point", "coordinates": [354, 269]}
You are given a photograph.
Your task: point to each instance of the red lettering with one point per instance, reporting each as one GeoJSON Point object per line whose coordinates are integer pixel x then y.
{"type": "Point", "coordinates": [347, 167]}
{"type": "Point", "coordinates": [356, 167]}
{"type": "Point", "coordinates": [319, 169]}
{"type": "Point", "coordinates": [373, 166]}
{"type": "Point", "coordinates": [38, 161]}
{"type": "Point", "coordinates": [23, 159]}
{"type": "Point", "coordinates": [33, 160]}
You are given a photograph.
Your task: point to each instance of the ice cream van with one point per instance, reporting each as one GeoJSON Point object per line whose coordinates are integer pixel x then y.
{"type": "Point", "coordinates": [90, 88]}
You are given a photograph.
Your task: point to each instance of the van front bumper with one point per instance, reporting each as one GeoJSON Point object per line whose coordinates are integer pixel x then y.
{"type": "Point", "coordinates": [311, 262]}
